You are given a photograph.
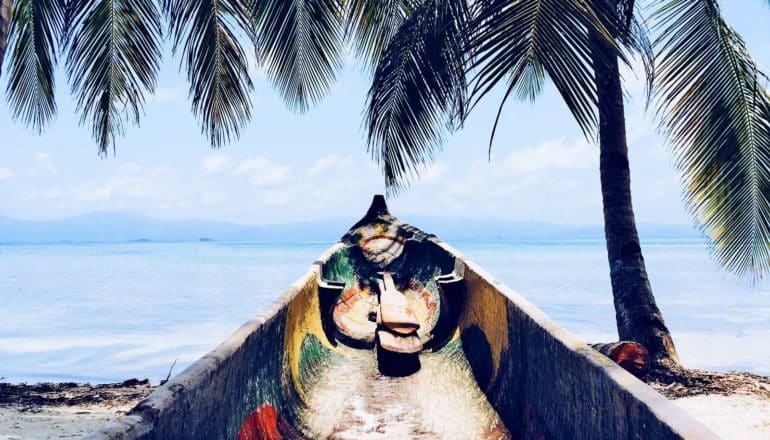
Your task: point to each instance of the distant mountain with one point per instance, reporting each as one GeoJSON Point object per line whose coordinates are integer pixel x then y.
{"type": "Point", "coordinates": [124, 227]}
{"type": "Point", "coordinates": [491, 229]}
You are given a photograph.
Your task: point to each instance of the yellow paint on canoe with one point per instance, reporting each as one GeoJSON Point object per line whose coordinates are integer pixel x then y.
{"type": "Point", "coordinates": [303, 317]}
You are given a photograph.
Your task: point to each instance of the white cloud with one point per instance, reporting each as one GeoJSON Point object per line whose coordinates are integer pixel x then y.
{"type": "Point", "coordinates": [38, 195]}
{"type": "Point", "coordinates": [6, 173]}
{"type": "Point", "coordinates": [214, 197]}
{"type": "Point", "coordinates": [134, 184]}
{"type": "Point", "coordinates": [215, 164]}
{"type": "Point", "coordinates": [556, 181]}
{"type": "Point", "coordinates": [329, 164]}
{"type": "Point", "coordinates": [43, 161]}
{"type": "Point", "coordinates": [435, 174]}
{"type": "Point", "coordinates": [262, 172]}
{"type": "Point", "coordinates": [553, 155]}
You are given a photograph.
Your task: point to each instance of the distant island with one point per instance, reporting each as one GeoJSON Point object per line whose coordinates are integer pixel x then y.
{"type": "Point", "coordinates": [118, 227]}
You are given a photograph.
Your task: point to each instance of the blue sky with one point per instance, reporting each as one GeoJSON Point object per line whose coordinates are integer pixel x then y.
{"type": "Point", "coordinates": [290, 168]}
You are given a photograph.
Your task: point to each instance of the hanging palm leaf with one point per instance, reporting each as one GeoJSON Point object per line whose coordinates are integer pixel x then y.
{"type": "Point", "coordinates": [207, 33]}
{"type": "Point", "coordinates": [112, 62]}
{"type": "Point", "coordinates": [419, 89]}
{"type": "Point", "coordinates": [301, 42]}
{"type": "Point", "coordinates": [35, 29]}
{"type": "Point", "coordinates": [716, 111]}
{"type": "Point", "coordinates": [640, 43]}
{"type": "Point", "coordinates": [372, 23]}
{"type": "Point", "coordinates": [522, 42]}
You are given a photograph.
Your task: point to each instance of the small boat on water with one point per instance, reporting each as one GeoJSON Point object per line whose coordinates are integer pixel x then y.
{"type": "Point", "coordinates": [393, 334]}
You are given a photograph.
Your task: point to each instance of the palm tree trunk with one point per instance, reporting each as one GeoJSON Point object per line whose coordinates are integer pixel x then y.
{"type": "Point", "coordinates": [5, 21]}
{"type": "Point", "coordinates": [638, 317]}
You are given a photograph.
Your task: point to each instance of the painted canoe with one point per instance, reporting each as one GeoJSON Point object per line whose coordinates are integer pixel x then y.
{"type": "Point", "coordinates": [392, 334]}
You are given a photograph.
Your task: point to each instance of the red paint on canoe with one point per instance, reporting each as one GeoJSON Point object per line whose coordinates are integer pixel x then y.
{"type": "Point", "coordinates": [266, 424]}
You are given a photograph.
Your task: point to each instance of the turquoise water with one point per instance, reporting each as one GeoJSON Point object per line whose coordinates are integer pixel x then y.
{"type": "Point", "coordinates": [107, 312]}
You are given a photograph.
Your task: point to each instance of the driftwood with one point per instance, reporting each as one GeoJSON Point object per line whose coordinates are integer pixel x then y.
{"type": "Point", "coordinates": [633, 357]}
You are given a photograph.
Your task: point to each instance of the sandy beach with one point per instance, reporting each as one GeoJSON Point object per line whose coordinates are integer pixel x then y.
{"type": "Point", "coordinates": [72, 411]}
{"type": "Point", "coordinates": [56, 422]}
{"type": "Point", "coordinates": [737, 416]}
{"type": "Point", "coordinates": [64, 410]}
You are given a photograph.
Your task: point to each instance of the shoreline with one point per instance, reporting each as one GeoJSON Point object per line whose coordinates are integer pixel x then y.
{"type": "Point", "coordinates": [734, 404]}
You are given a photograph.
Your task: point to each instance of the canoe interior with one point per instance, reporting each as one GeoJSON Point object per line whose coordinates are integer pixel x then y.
{"type": "Point", "coordinates": [489, 364]}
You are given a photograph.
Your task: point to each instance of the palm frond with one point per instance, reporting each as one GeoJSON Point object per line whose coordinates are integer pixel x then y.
{"type": "Point", "coordinates": [34, 34]}
{"type": "Point", "coordinates": [419, 90]}
{"type": "Point", "coordinates": [112, 62]}
{"type": "Point", "coordinates": [641, 44]}
{"type": "Point", "coordinates": [372, 23]}
{"type": "Point", "coordinates": [5, 23]}
{"type": "Point", "coordinates": [716, 110]}
{"type": "Point", "coordinates": [217, 65]}
{"type": "Point", "coordinates": [521, 42]}
{"type": "Point", "coordinates": [301, 43]}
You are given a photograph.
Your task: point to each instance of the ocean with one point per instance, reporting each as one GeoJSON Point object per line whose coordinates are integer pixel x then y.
{"type": "Point", "coordinates": [101, 312]}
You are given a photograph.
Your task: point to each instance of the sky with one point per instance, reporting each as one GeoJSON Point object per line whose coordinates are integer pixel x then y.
{"type": "Point", "coordinates": [289, 168]}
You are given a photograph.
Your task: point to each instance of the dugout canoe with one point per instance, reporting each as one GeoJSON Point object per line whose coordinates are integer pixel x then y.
{"type": "Point", "coordinates": [393, 334]}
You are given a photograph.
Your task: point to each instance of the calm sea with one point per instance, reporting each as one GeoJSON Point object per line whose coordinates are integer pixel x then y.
{"type": "Point", "coordinates": [107, 312]}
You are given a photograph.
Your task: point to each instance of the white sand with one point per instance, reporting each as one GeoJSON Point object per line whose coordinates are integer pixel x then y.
{"type": "Point", "coordinates": [734, 417]}
{"type": "Point", "coordinates": [55, 422]}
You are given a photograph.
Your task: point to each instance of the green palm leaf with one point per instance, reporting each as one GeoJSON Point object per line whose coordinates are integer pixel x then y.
{"type": "Point", "coordinates": [301, 42]}
{"type": "Point", "coordinates": [112, 62]}
{"type": "Point", "coordinates": [717, 114]}
{"type": "Point", "coordinates": [639, 42]}
{"type": "Point", "coordinates": [419, 89]}
{"type": "Point", "coordinates": [35, 30]}
{"type": "Point", "coordinates": [217, 65]}
{"type": "Point", "coordinates": [521, 42]}
{"type": "Point", "coordinates": [372, 23]}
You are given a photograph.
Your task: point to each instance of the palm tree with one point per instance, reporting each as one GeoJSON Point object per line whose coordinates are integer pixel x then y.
{"type": "Point", "coordinates": [712, 106]}
{"type": "Point", "coordinates": [637, 315]}
{"type": "Point", "coordinates": [421, 53]}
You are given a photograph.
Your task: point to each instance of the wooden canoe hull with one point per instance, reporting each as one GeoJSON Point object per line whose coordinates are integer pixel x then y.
{"type": "Point", "coordinates": [493, 366]}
